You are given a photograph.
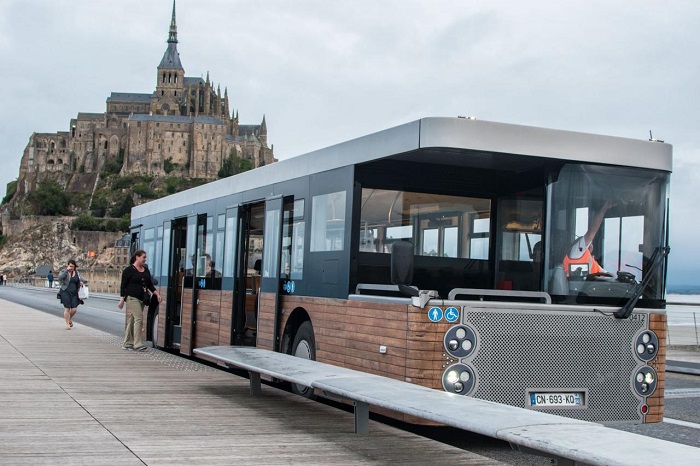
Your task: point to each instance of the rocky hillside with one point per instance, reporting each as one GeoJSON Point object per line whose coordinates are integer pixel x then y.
{"type": "Point", "coordinates": [50, 241]}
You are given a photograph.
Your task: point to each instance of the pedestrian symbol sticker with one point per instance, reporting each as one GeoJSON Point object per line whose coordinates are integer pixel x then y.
{"type": "Point", "coordinates": [451, 314]}
{"type": "Point", "coordinates": [435, 314]}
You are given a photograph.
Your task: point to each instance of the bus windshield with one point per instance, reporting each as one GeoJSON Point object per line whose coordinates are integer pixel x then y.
{"type": "Point", "coordinates": [605, 223]}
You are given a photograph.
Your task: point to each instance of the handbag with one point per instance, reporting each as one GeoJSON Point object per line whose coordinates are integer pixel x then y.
{"type": "Point", "coordinates": [83, 292]}
{"type": "Point", "coordinates": [147, 295]}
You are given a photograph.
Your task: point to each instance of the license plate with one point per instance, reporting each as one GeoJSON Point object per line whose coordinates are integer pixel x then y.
{"type": "Point", "coordinates": [556, 399]}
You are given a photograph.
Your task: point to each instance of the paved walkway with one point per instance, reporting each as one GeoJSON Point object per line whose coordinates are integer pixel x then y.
{"type": "Point", "coordinates": [75, 397]}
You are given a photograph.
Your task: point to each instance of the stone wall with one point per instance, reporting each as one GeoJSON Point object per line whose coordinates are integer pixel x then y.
{"type": "Point", "coordinates": [100, 280]}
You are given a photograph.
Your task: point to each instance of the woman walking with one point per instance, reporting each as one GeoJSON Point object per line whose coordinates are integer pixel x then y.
{"type": "Point", "coordinates": [136, 283]}
{"type": "Point", "coordinates": [70, 280]}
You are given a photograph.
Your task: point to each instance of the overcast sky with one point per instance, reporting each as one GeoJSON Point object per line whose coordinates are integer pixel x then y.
{"type": "Point", "coordinates": [326, 71]}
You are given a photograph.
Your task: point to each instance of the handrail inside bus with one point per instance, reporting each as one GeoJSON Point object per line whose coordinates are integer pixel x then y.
{"type": "Point", "coordinates": [541, 295]}
{"type": "Point", "coordinates": [381, 288]}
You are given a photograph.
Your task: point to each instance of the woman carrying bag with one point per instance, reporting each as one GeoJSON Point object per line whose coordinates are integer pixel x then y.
{"type": "Point", "coordinates": [70, 281]}
{"type": "Point", "coordinates": [136, 287]}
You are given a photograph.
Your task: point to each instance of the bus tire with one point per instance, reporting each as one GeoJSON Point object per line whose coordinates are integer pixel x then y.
{"type": "Point", "coordinates": [154, 330]}
{"type": "Point", "coordinates": [304, 346]}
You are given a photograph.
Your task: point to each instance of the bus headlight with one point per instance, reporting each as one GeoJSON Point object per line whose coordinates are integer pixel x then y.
{"type": "Point", "coordinates": [460, 341]}
{"type": "Point", "coordinates": [458, 379]}
{"type": "Point", "coordinates": [645, 381]}
{"type": "Point", "coordinates": [646, 345]}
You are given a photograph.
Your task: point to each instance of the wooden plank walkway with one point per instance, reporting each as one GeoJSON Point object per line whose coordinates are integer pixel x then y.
{"type": "Point", "coordinates": [75, 397]}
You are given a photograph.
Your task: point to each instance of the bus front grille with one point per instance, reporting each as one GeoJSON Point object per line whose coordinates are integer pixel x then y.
{"type": "Point", "coordinates": [521, 351]}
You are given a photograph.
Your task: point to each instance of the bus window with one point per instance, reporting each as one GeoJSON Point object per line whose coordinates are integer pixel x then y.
{"type": "Point", "coordinates": [438, 225]}
{"type": "Point", "coordinates": [479, 238]}
{"type": "Point", "coordinates": [328, 222]}
{"type": "Point", "coordinates": [623, 211]}
{"type": "Point", "coordinates": [156, 272]}
{"type": "Point", "coordinates": [520, 230]}
{"type": "Point", "coordinates": [218, 256]}
{"type": "Point", "coordinates": [269, 258]}
{"type": "Point", "coordinates": [149, 246]}
{"type": "Point", "coordinates": [292, 265]}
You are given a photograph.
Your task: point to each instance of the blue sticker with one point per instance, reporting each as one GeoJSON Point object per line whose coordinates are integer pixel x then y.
{"type": "Point", "coordinates": [202, 283]}
{"type": "Point", "coordinates": [289, 287]}
{"type": "Point", "coordinates": [451, 314]}
{"type": "Point", "coordinates": [435, 314]}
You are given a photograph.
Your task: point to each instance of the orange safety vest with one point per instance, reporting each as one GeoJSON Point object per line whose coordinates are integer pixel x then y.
{"type": "Point", "coordinates": [585, 259]}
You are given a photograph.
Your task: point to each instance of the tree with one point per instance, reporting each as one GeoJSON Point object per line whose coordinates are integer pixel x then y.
{"type": "Point", "coordinates": [124, 208]}
{"type": "Point", "coordinates": [49, 198]}
{"type": "Point", "coordinates": [86, 222]}
{"type": "Point", "coordinates": [233, 165]}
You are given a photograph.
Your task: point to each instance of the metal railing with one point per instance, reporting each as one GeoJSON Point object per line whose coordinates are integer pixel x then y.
{"type": "Point", "coordinates": [683, 321]}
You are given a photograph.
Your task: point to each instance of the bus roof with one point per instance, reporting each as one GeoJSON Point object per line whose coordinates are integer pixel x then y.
{"type": "Point", "coordinates": [436, 133]}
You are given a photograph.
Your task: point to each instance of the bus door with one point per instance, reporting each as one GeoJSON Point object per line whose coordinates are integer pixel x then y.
{"type": "Point", "coordinates": [194, 266]}
{"type": "Point", "coordinates": [176, 273]}
{"type": "Point", "coordinates": [248, 246]}
{"type": "Point", "coordinates": [272, 252]}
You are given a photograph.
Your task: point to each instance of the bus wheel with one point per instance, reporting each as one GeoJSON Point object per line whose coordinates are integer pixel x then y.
{"type": "Point", "coordinates": [154, 330]}
{"type": "Point", "coordinates": [304, 346]}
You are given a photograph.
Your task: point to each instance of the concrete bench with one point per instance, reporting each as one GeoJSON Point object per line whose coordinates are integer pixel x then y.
{"type": "Point", "coordinates": [569, 441]}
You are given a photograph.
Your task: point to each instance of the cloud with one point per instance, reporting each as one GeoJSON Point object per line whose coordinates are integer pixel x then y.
{"type": "Point", "coordinates": [323, 72]}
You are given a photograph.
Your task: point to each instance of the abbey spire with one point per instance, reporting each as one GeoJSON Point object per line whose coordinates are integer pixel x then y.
{"type": "Point", "coordinates": [172, 36]}
{"type": "Point", "coordinates": [171, 57]}
{"type": "Point", "coordinates": [170, 84]}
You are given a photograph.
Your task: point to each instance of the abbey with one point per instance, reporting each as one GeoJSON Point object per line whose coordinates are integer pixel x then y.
{"type": "Point", "coordinates": [185, 128]}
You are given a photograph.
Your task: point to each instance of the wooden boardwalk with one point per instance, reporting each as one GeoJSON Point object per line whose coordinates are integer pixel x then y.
{"type": "Point", "coordinates": [75, 397]}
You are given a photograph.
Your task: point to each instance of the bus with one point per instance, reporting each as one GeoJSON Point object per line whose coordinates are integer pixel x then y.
{"type": "Point", "coordinates": [437, 252]}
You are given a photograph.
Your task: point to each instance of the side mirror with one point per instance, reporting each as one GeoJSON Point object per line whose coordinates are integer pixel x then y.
{"type": "Point", "coordinates": [402, 267]}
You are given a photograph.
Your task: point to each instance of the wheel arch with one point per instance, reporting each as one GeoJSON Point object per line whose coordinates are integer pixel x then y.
{"type": "Point", "coordinates": [296, 318]}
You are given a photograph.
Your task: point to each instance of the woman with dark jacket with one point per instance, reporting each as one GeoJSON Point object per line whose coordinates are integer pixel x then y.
{"type": "Point", "coordinates": [70, 280]}
{"type": "Point", "coordinates": [136, 279]}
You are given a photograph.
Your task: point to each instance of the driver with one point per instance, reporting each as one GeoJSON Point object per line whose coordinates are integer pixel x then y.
{"type": "Point", "coordinates": [580, 260]}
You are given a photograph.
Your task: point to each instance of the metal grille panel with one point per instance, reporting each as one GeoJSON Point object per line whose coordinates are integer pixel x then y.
{"type": "Point", "coordinates": [521, 350]}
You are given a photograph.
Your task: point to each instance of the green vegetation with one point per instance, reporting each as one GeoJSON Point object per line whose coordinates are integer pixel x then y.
{"type": "Point", "coordinates": [11, 190]}
{"type": "Point", "coordinates": [234, 165]}
{"type": "Point", "coordinates": [49, 198]}
{"type": "Point", "coordinates": [168, 165]}
{"type": "Point", "coordinates": [124, 207]}
{"type": "Point", "coordinates": [145, 191]}
{"type": "Point", "coordinates": [99, 205]}
{"type": "Point", "coordinates": [86, 222]}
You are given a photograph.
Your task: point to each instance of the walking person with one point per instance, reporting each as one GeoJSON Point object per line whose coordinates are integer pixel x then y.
{"type": "Point", "coordinates": [49, 277]}
{"type": "Point", "coordinates": [70, 280]}
{"type": "Point", "coordinates": [136, 287]}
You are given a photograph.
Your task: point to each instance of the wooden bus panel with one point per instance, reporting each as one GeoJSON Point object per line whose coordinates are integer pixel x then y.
{"type": "Point", "coordinates": [185, 341]}
{"type": "Point", "coordinates": [225, 318]}
{"type": "Point", "coordinates": [207, 318]}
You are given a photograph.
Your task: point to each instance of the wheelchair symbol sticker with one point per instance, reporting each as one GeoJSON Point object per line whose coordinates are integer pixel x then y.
{"type": "Point", "coordinates": [451, 314]}
{"type": "Point", "coordinates": [435, 314]}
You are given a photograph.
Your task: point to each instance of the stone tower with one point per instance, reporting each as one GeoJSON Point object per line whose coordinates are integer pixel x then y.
{"type": "Point", "coordinates": [170, 83]}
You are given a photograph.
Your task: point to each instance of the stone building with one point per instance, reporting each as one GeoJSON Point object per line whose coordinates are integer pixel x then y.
{"type": "Point", "coordinates": [185, 127]}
